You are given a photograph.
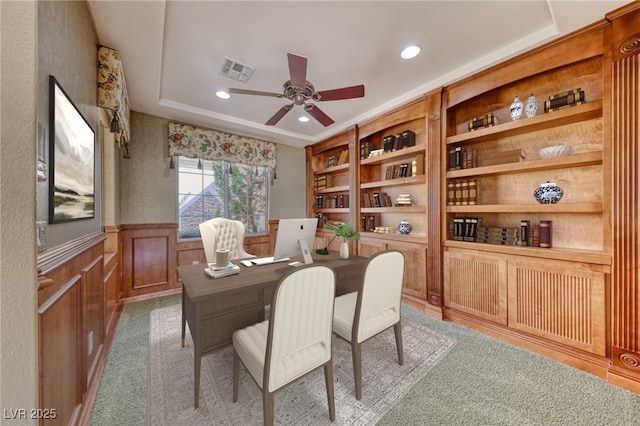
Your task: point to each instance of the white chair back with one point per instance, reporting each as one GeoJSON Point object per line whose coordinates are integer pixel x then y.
{"type": "Point", "coordinates": [381, 294]}
{"type": "Point", "coordinates": [299, 337]}
{"type": "Point", "coordinates": [220, 232]}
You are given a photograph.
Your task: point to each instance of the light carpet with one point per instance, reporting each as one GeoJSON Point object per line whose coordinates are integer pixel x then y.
{"type": "Point", "coordinates": [170, 382]}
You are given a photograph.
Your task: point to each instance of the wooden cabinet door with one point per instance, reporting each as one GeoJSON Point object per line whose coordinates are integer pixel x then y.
{"type": "Point", "coordinates": [415, 267]}
{"type": "Point", "coordinates": [476, 284]}
{"type": "Point", "coordinates": [369, 246]}
{"type": "Point", "coordinates": [559, 301]}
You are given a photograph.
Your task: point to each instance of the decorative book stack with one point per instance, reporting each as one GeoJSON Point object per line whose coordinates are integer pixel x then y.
{"type": "Point", "coordinates": [322, 181]}
{"type": "Point", "coordinates": [506, 236]}
{"type": "Point", "coordinates": [221, 271]}
{"type": "Point", "coordinates": [369, 223]}
{"type": "Point", "coordinates": [564, 100]}
{"type": "Point", "coordinates": [483, 121]}
{"type": "Point", "coordinates": [404, 200]}
{"type": "Point", "coordinates": [462, 157]}
{"type": "Point", "coordinates": [466, 228]}
{"type": "Point", "coordinates": [376, 199]}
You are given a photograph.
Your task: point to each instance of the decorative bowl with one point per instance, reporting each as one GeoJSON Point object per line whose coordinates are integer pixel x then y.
{"type": "Point", "coordinates": [548, 193]}
{"type": "Point", "coordinates": [555, 151]}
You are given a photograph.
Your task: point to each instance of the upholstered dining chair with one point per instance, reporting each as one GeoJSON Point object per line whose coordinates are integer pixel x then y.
{"type": "Point", "coordinates": [220, 232]}
{"type": "Point", "coordinates": [363, 314]}
{"type": "Point", "coordinates": [295, 341]}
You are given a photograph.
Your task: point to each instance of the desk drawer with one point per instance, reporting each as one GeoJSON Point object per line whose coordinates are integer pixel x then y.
{"type": "Point", "coordinates": [217, 332]}
{"type": "Point", "coordinates": [231, 302]}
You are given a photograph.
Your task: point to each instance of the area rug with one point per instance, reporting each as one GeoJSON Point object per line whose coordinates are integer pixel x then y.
{"type": "Point", "coordinates": [170, 382]}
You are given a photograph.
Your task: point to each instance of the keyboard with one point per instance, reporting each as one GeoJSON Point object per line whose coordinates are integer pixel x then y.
{"type": "Point", "coordinates": [267, 260]}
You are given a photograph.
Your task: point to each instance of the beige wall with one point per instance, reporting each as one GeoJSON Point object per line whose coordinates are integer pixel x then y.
{"type": "Point", "coordinates": [148, 187]}
{"type": "Point", "coordinates": [18, 279]}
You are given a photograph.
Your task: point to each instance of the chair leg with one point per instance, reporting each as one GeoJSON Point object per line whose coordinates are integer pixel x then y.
{"type": "Point", "coordinates": [267, 407]}
{"type": "Point", "coordinates": [328, 378]}
{"type": "Point", "coordinates": [397, 329]}
{"type": "Point", "coordinates": [357, 368]}
{"type": "Point", "coordinates": [236, 374]}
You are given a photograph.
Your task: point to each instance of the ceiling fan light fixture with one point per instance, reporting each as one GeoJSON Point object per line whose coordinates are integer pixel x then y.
{"type": "Point", "coordinates": [303, 119]}
{"type": "Point", "coordinates": [222, 94]}
{"type": "Point", "coordinates": [410, 52]}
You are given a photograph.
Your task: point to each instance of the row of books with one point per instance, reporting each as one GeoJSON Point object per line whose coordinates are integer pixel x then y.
{"type": "Point", "coordinates": [462, 157]}
{"type": "Point", "coordinates": [322, 181]}
{"type": "Point", "coordinates": [370, 223]}
{"type": "Point", "coordinates": [462, 192]}
{"type": "Point", "coordinates": [337, 159]}
{"type": "Point", "coordinates": [471, 229]}
{"type": "Point", "coordinates": [332, 201]}
{"type": "Point", "coordinates": [376, 199]}
{"type": "Point", "coordinates": [389, 143]}
{"type": "Point", "coordinates": [536, 235]}
{"type": "Point", "coordinates": [415, 168]}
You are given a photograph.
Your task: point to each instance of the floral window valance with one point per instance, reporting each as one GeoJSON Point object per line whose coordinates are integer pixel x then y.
{"type": "Point", "coordinates": [112, 94]}
{"type": "Point", "coordinates": [208, 144]}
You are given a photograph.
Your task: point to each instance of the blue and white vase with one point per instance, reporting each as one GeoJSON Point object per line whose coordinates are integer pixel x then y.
{"type": "Point", "coordinates": [531, 108]}
{"type": "Point", "coordinates": [404, 227]}
{"type": "Point", "coordinates": [516, 109]}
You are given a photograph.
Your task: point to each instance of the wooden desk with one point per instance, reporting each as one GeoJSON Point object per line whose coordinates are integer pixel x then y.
{"type": "Point", "coordinates": [215, 308]}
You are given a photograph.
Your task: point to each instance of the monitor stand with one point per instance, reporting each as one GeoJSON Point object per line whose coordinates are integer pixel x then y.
{"type": "Point", "coordinates": [306, 255]}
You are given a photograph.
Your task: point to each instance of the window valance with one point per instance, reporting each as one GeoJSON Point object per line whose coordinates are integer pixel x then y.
{"type": "Point", "coordinates": [112, 94]}
{"type": "Point", "coordinates": [194, 142]}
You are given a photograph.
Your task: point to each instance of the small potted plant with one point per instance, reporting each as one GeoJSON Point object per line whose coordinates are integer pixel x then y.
{"type": "Point", "coordinates": [344, 231]}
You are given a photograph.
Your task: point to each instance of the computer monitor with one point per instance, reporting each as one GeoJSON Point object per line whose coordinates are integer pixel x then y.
{"type": "Point", "coordinates": [295, 237]}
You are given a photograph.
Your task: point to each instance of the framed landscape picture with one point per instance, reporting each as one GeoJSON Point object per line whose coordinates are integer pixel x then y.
{"type": "Point", "coordinates": [71, 159]}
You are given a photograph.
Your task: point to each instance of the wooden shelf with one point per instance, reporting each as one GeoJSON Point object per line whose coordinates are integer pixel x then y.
{"type": "Point", "coordinates": [558, 253]}
{"type": "Point", "coordinates": [340, 188]}
{"type": "Point", "coordinates": [333, 169]}
{"type": "Point", "coordinates": [394, 182]}
{"type": "Point", "coordinates": [392, 156]}
{"type": "Point", "coordinates": [407, 209]}
{"type": "Point", "coordinates": [561, 117]}
{"type": "Point", "coordinates": [575, 160]}
{"type": "Point", "coordinates": [396, 236]}
{"type": "Point", "coordinates": [336, 210]}
{"type": "Point", "coordinates": [528, 208]}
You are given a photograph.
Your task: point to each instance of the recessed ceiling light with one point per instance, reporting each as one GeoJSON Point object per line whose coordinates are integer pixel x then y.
{"type": "Point", "coordinates": [410, 52]}
{"type": "Point", "coordinates": [222, 94]}
{"type": "Point", "coordinates": [303, 119]}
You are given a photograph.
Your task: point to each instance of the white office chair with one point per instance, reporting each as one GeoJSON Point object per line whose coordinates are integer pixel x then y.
{"type": "Point", "coordinates": [295, 341]}
{"type": "Point", "coordinates": [223, 233]}
{"type": "Point", "coordinates": [362, 314]}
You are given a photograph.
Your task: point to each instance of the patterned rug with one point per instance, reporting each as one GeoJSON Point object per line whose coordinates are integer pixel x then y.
{"type": "Point", "coordinates": [170, 383]}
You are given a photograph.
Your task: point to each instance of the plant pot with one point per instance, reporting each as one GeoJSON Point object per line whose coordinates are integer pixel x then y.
{"type": "Point", "coordinates": [344, 250]}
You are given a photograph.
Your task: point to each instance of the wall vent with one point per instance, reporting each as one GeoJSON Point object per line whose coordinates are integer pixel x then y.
{"type": "Point", "coordinates": [235, 70]}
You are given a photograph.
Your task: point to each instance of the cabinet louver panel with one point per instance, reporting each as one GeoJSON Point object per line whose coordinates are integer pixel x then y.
{"type": "Point", "coordinates": [476, 285]}
{"type": "Point", "coordinates": [560, 304]}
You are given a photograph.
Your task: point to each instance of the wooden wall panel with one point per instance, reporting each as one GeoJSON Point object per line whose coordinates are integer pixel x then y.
{"type": "Point", "coordinates": [149, 259]}
{"type": "Point", "coordinates": [625, 283]}
{"type": "Point", "coordinates": [559, 303]}
{"type": "Point", "coordinates": [476, 285]}
{"type": "Point", "coordinates": [93, 314]}
{"type": "Point", "coordinates": [60, 352]}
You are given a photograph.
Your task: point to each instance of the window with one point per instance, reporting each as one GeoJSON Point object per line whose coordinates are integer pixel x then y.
{"type": "Point", "coordinates": [221, 189]}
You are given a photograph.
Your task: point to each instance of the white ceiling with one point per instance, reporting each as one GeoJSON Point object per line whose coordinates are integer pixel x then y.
{"type": "Point", "coordinates": [172, 50]}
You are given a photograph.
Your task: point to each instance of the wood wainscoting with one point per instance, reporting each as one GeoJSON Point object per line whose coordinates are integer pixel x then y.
{"type": "Point", "coordinates": [71, 327]}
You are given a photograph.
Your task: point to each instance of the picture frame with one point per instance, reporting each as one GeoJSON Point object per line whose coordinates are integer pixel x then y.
{"type": "Point", "coordinates": [71, 159]}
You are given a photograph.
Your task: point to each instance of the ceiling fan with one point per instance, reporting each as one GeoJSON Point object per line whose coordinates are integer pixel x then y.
{"type": "Point", "coordinates": [299, 91]}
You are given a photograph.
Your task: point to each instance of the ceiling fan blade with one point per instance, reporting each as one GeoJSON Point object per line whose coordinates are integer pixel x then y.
{"type": "Point", "coordinates": [254, 92]}
{"type": "Point", "coordinates": [317, 113]}
{"type": "Point", "coordinates": [343, 93]}
{"type": "Point", "coordinates": [297, 69]}
{"type": "Point", "coordinates": [278, 115]}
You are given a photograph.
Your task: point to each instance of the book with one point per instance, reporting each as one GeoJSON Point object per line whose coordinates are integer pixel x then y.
{"type": "Point", "coordinates": [483, 121]}
{"type": "Point", "coordinates": [545, 234]}
{"type": "Point", "coordinates": [564, 99]}
{"type": "Point", "coordinates": [219, 272]}
{"type": "Point", "coordinates": [417, 166]}
{"type": "Point", "coordinates": [524, 232]}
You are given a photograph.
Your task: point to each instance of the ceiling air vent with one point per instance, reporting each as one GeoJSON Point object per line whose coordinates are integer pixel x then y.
{"type": "Point", "coordinates": [235, 70]}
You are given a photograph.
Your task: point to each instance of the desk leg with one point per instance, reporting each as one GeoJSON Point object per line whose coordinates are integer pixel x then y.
{"type": "Point", "coordinates": [197, 355]}
{"type": "Point", "coordinates": [184, 317]}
